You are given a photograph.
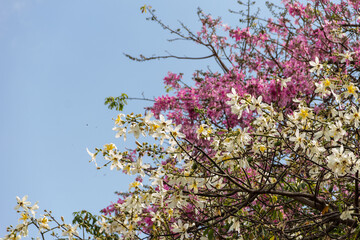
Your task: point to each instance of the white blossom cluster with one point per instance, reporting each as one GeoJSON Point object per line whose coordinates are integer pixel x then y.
{"type": "Point", "coordinates": [28, 217]}
{"type": "Point", "coordinates": [316, 139]}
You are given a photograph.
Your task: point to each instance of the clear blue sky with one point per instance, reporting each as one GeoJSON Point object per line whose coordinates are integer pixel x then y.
{"type": "Point", "coordinates": [58, 61]}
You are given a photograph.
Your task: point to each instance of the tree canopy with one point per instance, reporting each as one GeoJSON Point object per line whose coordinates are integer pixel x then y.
{"type": "Point", "coordinates": [265, 148]}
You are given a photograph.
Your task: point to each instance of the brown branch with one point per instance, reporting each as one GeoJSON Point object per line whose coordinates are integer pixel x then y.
{"type": "Point", "coordinates": [356, 192]}
{"type": "Point", "coordinates": [143, 58]}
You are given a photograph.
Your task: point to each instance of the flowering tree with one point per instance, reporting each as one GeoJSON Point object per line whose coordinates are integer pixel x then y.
{"type": "Point", "coordinates": [266, 149]}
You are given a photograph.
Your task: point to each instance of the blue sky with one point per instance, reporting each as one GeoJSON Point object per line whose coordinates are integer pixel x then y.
{"type": "Point", "coordinates": [58, 62]}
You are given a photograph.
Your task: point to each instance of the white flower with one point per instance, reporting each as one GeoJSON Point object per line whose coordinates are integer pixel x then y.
{"type": "Point", "coordinates": [163, 123]}
{"type": "Point", "coordinates": [234, 103]}
{"type": "Point", "coordinates": [92, 155]}
{"type": "Point", "coordinates": [299, 140]}
{"type": "Point", "coordinates": [43, 222]}
{"type": "Point", "coordinates": [136, 130]}
{"type": "Point", "coordinates": [104, 226]}
{"type": "Point", "coordinates": [156, 218]}
{"type": "Point", "coordinates": [340, 161]}
{"type": "Point", "coordinates": [120, 131]}
{"type": "Point", "coordinates": [346, 56]}
{"type": "Point", "coordinates": [336, 131]}
{"type": "Point", "coordinates": [175, 132]}
{"type": "Point", "coordinates": [355, 116]}
{"type": "Point", "coordinates": [234, 97]}
{"type": "Point", "coordinates": [204, 131]}
{"type": "Point", "coordinates": [316, 66]}
{"type": "Point", "coordinates": [161, 129]}
{"type": "Point", "coordinates": [235, 225]}
{"type": "Point", "coordinates": [283, 82]}
{"type": "Point", "coordinates": [156, 181]}
{"type": "Point", "coordinates": [351, 90]}
{"type": "Point", "coordinates": [345, 215]}
{"type": "Point", "coordinates": [194, 186]}
{"type": "Point", "coordinates": [34, 208]}
{"type": "Point", "coordinates": [22, 203]}
{"type": "Point", "coordinates": [139, 167]}
{"type": "Point", "coordinates": [179, 227]}
{"type": "Point", "coordinates": [216, 183]}
{"type": "Point", "coordinates": [70, 231]}
{"type": "Point", "coordinates": [237, 110]}
{"type": "Point", "coordinates": [118, 120]}
{"type": "Point", "coordinates": [258, 148]}
{"type": "Point", "coordinates": [115, 160]}
{"type": "Point", "coordinates": [315, 148]}
{"type": "Point", "coordinates": [177, 200]}
{"type": "Point", "coordinates": [256, 104]}
{"type": "Point", "coordinates": [322, 87]}
{"type": "Point", "coordinates": [243, 137]}
{"type": "Point", "coordinates": [303, 113]}
{"type": "Point", "coordinates": [23, 229]}
{"type": "Point", "coordinates": [147, 118]}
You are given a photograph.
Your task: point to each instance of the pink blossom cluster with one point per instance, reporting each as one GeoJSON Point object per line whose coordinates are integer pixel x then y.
{"type": "Point", "coordinates": [275, 63]}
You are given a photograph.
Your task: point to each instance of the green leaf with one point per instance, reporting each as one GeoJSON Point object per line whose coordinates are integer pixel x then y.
{"type": "Point", "coordinates": [211, 234]}
{"type": "Point", "coordinates": [118, 103]}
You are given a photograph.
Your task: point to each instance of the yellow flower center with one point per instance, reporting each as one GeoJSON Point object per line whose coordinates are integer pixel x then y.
{"type": "Point", "coordinates": [201, 129]}
{"type": "Point", "coordinates": [118, 120]}
{"type": "Point", "coordinates": [171, 211]}
{"type": "Point", "coordinates": [327, 83]}
{"type": "Point", "coordinates": [155, 127]}
{"type": "Point", "coordinates": [44, 220]}
{"type": "Point", "coordinates": [304, 113]}
{"type": "Point", "coordinates": [351, 89]}
{"type": "Point", "coordinates": [134, 184]}
{"type": "Point", "coordinates": [262, 148]}
{"type": "Point", "coordinates": [24, 216]}
{"type": "Point", "coordinates": [127, 168]}
{"type": "Point", "coordinates": [109, 147]}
